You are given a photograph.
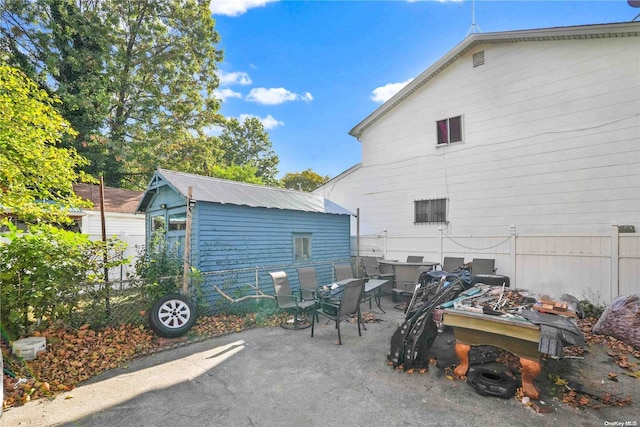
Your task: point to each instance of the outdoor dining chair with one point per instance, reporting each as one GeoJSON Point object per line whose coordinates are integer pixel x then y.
{"type": "Point", "coordinates": [483, 266]}
{"type": "Point", "coordinates": [414, 258]}
{"type": "Point", "coordinates": [451, 264]}
{"type": "Point", "coordinates": [308, 282]}
{"type": "Point", "coordinates": [343, 272]}
{"type": "Point", "coordinates": [349, 304]}
{"type": "Point", "coordinates": [289, 302]}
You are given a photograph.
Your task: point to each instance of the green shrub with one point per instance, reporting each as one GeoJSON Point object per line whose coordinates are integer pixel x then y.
{"type": "Point", "coordinates": [160, 266]}
{"type": "Point", "coordinates": [46, 272]}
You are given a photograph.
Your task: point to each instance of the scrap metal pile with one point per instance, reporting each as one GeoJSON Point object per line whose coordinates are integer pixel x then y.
{"type": "Point", "coordinates": [411, 342]}
{"type": "Point", "coordinates": [436, 290]}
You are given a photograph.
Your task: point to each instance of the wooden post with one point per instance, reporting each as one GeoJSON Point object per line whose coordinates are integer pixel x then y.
{"type": "Point", "coordinates": [187, 245]}
{"type": "Point", "coordinates": [105, 254]}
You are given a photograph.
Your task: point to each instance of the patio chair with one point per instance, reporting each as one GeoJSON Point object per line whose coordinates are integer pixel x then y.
{"type": "Point", "coordinates": [451, 264]}
{"type": "Point", "coordinates": [308, 282]}
{"type": "Point", "coordinates": [289, 302]}
{"type": "Point", "coordinates": [483, 266]}
{"type": "Point", "coordinates": [371, 269]}
{"type": "Point", "coordinates": [348, 304]}
{"type": "Point", "coordinates": [414, 258]}
{"type": "Point", "coordinates": [343, 272]}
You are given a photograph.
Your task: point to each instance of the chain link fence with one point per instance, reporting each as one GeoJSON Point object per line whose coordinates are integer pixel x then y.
{"type": "Point", "coordinates": [240, 292]}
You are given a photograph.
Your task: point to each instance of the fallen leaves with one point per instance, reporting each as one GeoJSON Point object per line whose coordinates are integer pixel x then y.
{"type": "Point", "coordinates": [72, 356]}
{"type": "Point", "coordinates": [75, 355]}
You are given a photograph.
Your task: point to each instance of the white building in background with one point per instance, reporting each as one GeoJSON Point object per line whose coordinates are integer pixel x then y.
{"type": "Point", "coordinates": [523, 146]}
{"type": "Point", "coordinates": [120, 220]}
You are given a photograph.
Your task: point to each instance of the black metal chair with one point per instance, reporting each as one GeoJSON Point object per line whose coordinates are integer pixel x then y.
{"type": "Point", "coordinates": [308, 282]}
{"type": "Point", "coordinates": [483, 266]}
{"type": "Point", "coordinates": [348, 304]}
{"type": "Point", "coordinates": [451, 264]}
{"type": "Point", "coordinates": [343, 272]}
{"type": "Point", "coordinates": [289, 302]}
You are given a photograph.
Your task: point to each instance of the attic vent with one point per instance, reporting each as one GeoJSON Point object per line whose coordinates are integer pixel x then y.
{"type": "Point", "coordinates": [478, 59]}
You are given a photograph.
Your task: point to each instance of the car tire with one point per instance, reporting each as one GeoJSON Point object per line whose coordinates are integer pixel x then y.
{"type": "Point", "coordinates": [172, 316]}
{"type": "Point", "coordinates": [489, 383]}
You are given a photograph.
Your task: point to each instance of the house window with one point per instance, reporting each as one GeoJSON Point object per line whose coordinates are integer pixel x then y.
{"type": "Point", "coordinates": [157, 223]}
{"type": "Point", "coordinates": [449, 130]}
{"type": "Point", "coordinates": [301, 247]}
{"type": "Point", "coordinates": [430, 211]}
{"type": "Point", "coordinates": [178, 221]}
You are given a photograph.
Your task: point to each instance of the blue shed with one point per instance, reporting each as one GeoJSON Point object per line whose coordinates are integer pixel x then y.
{"type": "Point", "coordinates": [236, 225]}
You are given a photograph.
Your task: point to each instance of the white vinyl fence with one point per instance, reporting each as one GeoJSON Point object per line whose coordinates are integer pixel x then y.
{"type": "Point", "coordinates": [597, 268]}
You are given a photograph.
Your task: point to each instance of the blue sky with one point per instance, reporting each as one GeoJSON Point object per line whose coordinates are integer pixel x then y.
{"type": "Point", "coordinates": [312, 70]}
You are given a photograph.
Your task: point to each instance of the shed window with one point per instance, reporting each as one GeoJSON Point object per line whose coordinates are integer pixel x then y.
{"type": "Point", "coordinates": [157, 223]}
{"type": "Point", "coordinates": [301, 247]}
{"type": "Point", "coordinates": [430, 211]}
{"type": "Point", "coordinates": [449, 130]}
{"type": "Point", "coordinates": [178, 221]}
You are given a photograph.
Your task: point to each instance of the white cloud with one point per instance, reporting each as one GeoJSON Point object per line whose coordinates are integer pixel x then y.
{"type": "Point", "coordinates": [275, 96]}
{"type": "Point", "coordinates": [235, 7]}
{"type": "Point", "coordinates": [268, 122]}
{"type": "Point", "coordinates": [224, 94]}
{"type": "Point", "coordinates": [383, 93]}
{"type": "Point", "coordinates": [234, 78]}
{"type": "Point", "coordinates": [213, 130]}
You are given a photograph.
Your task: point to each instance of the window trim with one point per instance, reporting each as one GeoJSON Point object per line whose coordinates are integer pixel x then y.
{"type": "Point", "coordinates": [448, 129]}
{"type": "Point", "coordinates": [433, 211]}
{"type": "Point", "coordinates": [296, 236]}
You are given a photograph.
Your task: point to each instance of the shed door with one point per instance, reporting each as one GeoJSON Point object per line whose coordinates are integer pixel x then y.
{"type": "Point", "coordinates": [176, 226]}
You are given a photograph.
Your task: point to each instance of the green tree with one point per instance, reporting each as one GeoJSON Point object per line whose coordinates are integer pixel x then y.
{"type": "Point", "coordinates": [63, 46]}
{"type": "Point", "coordinates": [33, 168]}
{"type": "Point", "coordinates": [248, 144]}
{"type": "Point", "coordinates": [136, 77]}
{"type": "Point", "coordinates": [163, 64]}
{"type": "Point", "coordinates": [306, 180]}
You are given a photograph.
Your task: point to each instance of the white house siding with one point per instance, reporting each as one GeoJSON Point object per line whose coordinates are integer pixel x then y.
{"type": "Point", "coordinates": [129, 228]}
{"type": "Point", "coordinates": [551, 146]}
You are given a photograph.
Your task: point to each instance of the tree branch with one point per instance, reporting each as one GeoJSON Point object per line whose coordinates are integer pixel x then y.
{"type": "Point", "coordinates": [259, 294]}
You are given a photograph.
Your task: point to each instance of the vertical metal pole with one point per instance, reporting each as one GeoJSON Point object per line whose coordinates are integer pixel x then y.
{"type": "Point", "coordinates": [257, 283]}
{"type": "Point", "coordinates": [187, 245]}
{"type": "Point", "coordinates": [358, 241]}
{"type": "Point", "coordinates": [514, 257]}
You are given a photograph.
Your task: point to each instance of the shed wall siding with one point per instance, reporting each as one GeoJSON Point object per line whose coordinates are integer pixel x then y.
{"type": "Point", "coordinates": [238, 236]}
{"type": "Point", "coordinates": [551, 144]}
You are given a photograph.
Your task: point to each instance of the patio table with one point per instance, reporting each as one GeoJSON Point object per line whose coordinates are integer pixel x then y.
{"type": "Point", "coordinates": [373, 288]}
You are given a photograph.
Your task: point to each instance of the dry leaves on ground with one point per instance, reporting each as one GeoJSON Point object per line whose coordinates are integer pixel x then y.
{"type": "Point", "coordinates": [72, 356]}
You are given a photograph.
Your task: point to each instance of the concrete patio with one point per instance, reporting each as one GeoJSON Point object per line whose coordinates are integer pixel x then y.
{"type": "Point", "coordinates": [278, 377]}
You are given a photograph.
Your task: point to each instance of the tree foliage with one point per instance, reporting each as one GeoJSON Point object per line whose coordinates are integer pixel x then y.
{"type": "Point", "coordinates": [137, 82]}
{"type": "Point", "coordinates": [36, 175]}
{"type": "Point", "coordinates": [306, 180]}
{"type": "Point", "coordinates": [44, 272]}
{"type": "Point", "coordinates": [248, 144]}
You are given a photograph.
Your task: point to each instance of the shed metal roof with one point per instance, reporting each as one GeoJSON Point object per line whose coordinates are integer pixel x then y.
{"type": "Point", "coordinates": [216, 190]}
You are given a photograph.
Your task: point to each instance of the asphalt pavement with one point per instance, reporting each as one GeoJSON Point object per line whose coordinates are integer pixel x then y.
{"type": "Point", "coordinates": [277, 377]}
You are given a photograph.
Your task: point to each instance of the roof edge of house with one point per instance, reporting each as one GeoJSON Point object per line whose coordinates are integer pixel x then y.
{"type": "Point", "coordinates": [620, 29]}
